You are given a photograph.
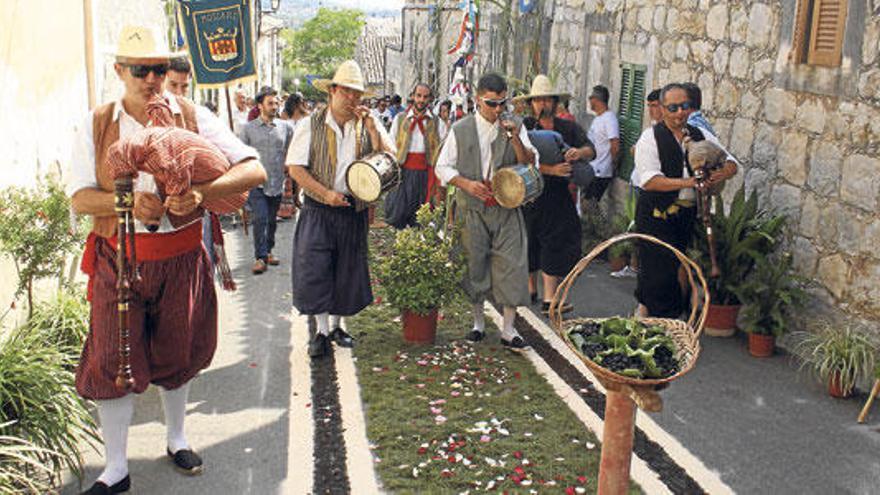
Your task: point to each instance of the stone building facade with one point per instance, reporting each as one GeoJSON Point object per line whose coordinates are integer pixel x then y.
{"type": "Point", "coordinates": [808, 135]}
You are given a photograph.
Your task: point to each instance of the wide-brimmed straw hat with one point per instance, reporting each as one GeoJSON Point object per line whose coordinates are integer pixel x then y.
{"type": "Point", "coordinates": [542, 87]}
{"type": "Point", "coordinates": [348, 75]}
{"type": "Point", "coordinates": [140, 44]}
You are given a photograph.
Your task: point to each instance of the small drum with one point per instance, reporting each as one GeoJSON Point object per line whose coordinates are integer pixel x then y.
{"type": "Point", "coordinates": [372, 175]}
{"type": "Point", "coordinates": [517, 185]}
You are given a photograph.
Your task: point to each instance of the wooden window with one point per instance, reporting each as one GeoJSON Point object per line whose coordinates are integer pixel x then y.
{"type": "Point", "coordinates": [630, 111]}
{"type": "Point", "coordinates": [819, 30]}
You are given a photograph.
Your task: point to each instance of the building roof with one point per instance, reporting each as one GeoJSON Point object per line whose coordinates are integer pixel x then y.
{"type": "Point", "coordinates": [370, 50]}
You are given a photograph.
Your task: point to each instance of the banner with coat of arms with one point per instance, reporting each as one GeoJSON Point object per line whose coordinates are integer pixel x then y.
{"type": "Point", "coordinates": [219, 34]}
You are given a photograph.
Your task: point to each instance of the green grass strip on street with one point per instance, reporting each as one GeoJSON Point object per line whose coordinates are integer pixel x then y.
{"type": "Point", "coordinates": [458, 417]}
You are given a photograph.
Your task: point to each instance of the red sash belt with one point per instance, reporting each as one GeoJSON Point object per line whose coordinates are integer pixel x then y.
{"type": "Point", "coordinates": [419, 161]}
{"type": "Point", "coordinates": [150, 247]}
{"type": "Point", "coordinates": [491, 201]}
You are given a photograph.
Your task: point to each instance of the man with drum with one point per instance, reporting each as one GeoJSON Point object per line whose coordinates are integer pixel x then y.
{"type": "Point", "coordinates": [416, 133]}
{"type": "Point", "coordinates": [494, 238]}
{"type": "Point", "coordinates": [554, 229]}
{"type": "Point", "coordinates": [331, 278]}
{"type": "Point", "coordinates": [666, 205]}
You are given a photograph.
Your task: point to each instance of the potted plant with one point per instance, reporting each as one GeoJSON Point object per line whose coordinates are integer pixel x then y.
{"type": "Point", "coordinates": [769, 295]}
{"type": "Point", "coordinates": [619, 254]}
{"type": "Point", "coordinates": [422, 273]}
{"type": "Point", "coordinates": [742, 234]}
{"type": "Point", "coordinates": [839, 356]}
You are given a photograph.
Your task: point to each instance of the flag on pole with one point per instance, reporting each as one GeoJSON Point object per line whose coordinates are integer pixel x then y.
{"type": "Point", "coordinates": [219, 35]}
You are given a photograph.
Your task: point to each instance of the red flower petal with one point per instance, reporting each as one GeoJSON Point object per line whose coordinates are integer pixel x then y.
{"type": "Point", "coordinates": [569, 490]}
{"type": "Point", "coordinates": [518, 454]}
{"type": "Point", "coordinates": [582, 480]}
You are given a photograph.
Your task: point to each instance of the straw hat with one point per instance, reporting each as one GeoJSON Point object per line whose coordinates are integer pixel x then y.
{"type": "Point", "coordinates": [542, 87]}
{"type": "Point", "coordinates": [348, 75]}
{"type": "Point", "coordinates": [139, 44]}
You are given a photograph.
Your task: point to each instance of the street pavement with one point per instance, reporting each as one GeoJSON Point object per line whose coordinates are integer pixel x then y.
{"type": "Point", "coordinates": [761, 425]}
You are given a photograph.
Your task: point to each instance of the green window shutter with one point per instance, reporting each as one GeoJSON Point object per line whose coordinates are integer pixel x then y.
{"type": "Point", "coordinates": [630, 110]}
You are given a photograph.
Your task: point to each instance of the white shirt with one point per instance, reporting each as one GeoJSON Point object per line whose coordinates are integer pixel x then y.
{"type": "Point", "coordinates": [417, 139]}
{"type": "Point", "coordinates": [298, 153]}
{"type": "Point", "coordinates": [603, 129]}
{"type": "Point", "coordinates": [239, 118]}
{"type": "Point", "coordinates": [648, 165]}
{"type": "Point", "coordinates": [82, 161]}
{"type": "Point", "coordinates": [486, 133]}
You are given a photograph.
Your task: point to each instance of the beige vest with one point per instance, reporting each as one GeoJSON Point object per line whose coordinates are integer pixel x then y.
{"type": "Point", "coordinates": [322, 154]}
{"type": "Point", "coordinates": [404, 137]}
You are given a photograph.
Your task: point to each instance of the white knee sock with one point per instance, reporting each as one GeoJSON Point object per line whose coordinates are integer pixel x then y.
{"type": "Point", "coordinates": [335, 322]}
{"type": "Point", "coordinates": [507, 330]}
{"type": "Point", "coordinates": [479, 317]}
{"type": "Point", "coordinates": [115, 416]}
{"type": "Point", "coordinates": [174, 402]}
{"type": "Point", "coordinates": [323, 323]}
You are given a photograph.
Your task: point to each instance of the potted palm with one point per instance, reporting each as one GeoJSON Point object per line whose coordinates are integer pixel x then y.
{"type": "Point", "coordinates": [839, 356]}
{"type": "Point", "coordinates": [422, 273]}
{"type": "Point", "coordinates": [769, 295]}
{"type": "Point", "coordinates": [742, 234]}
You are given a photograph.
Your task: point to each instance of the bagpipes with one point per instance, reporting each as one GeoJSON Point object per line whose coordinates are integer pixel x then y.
{"type": "Point", "coordinates": [177, 159]}
{"type": "Point", "coordinates": [705, 157]}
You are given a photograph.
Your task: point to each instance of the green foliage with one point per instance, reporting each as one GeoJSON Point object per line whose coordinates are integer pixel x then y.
{"type": "Point", "coordinates": [322, 43]}
{"type": "Point", "coordinates": [846, 350]}
{"type": "Point", "coordinates": [21, 470]}
{"type": "Point", "coordinates": [39, 406]}
{"type": "Point", "coordinates": [62, 322]}
{"type": "Point", "coordinates": [743, 235]}
{"type": "Point", "coordinates": [624, 222]}
{"type": "Point", "coordinates": [770, 294]}
{"type": "Point", "coordinates": [423, 271]}
{"type": "Point", "coordinates": [36, 231]}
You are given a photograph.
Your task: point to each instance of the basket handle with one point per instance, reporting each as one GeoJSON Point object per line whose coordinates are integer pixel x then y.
{"type": "Point", "coordinates": [695, 321]}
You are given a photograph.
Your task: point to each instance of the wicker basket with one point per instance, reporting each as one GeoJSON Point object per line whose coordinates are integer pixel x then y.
{"type": "Point", "coordinates": [686, 335]}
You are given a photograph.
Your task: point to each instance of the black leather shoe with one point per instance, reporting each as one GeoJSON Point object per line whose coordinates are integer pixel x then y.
{"type": "Point", "coordinates": [514, 344]}
{"type": "Point", "coordinates": [319, 346]}
{"type": "Point", "coordinates": [99, 488]}
{"type": "Point", "coordinates": [475, 335]}
{"type": "Point", "coordinates": [564, 308]}
{"type": "Point", "coordinates": [186, 461]}
{"type": "Point", "coordinates": [342, 338]}
{"type": "Point", "coordinates": [534, 297]}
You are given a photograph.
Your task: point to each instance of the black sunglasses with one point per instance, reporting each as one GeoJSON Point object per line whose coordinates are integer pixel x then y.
{"type": "Point", "coordinates": [141, 71]}
{"type": "Point", "coordinates": [495, 103]}
{"type": "Point", "coordinates": [674, 107]}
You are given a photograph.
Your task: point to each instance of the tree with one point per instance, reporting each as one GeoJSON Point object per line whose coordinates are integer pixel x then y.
{"type": "Point", "coordinates": [322, 43]}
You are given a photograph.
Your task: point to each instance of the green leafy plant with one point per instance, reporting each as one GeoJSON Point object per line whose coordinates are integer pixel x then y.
{"type": "Point", "coordinates": [743, 235]}
{"type": "Point", "coordinates": [770, 294]}
{"type": "Point", "coordinates": [21, 470]}
{"type": "Point", "coordinates": [61, 322]}
{"type": "Point", "coordinates": [36, 231]}
{"type": "Point", "coordinates": [423, 270]}
{"type": "Point", "coordinates": [39, 405]}
{"type": "Point", "coordinates": [842, 352]}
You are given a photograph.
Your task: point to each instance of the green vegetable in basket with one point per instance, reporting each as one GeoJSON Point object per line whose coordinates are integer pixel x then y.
{"type": "Point", "coordinates": [627, 347]}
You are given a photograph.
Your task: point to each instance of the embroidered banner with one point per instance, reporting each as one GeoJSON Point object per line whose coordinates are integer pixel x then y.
{"type": "Point", "coordinates": [219, 35]}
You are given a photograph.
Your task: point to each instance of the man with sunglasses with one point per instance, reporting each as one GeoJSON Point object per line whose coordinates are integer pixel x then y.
{"type": "Point", "coordinates": [494, 238]}
{"type": "Point", "coordinates": [666, 206]}
{"type": "Point", "coordinates": [173, 313]}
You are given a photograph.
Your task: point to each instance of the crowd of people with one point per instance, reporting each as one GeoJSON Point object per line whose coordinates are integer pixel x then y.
{"type": "Point", "coordinates": [279, 140]}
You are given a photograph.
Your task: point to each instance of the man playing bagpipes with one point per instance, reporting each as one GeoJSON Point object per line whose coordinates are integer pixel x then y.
{"type": "Point", "coordinates": [493, 237]}
{"type": "Point", "coordinates": [668, 176]}
{"type": "Point", "coordinates": [554, 228]}
{"type": "Point", "coordinates": [331, 278]}
{"type": "Point", "coordinates": [153, 307]}
{"type": "Point", "coordinates": [417, 136]}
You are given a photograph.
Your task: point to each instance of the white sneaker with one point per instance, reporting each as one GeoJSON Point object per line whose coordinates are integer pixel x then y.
{"type": "Point", "coordinates": [625, 272]}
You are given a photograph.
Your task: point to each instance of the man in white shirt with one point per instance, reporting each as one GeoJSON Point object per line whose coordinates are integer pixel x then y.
{"type": "Point", "coordinates": [605, 134]}
{"type": "Point", "coordinates": [331, 278]}
{"type": "Point", "coordinates": [666, 206]}
{"type": "Point", "coordinates": [172, 313]}
{"type": "Point", "coordinates": [416, 134]}
{"type": "Point", "coordinates": [494, 238]}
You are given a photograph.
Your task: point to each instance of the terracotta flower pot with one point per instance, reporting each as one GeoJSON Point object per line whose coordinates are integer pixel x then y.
{"type": "Point", "coordinates": [618, 263]}
{"type": "Point", "coordinates": [761, 345]}
{"type": "Point", "coordinates": [835, 389]}
{"type": "Point", "coordinates": [721, 320]}
{"type": "Point", "coordinates": [419, 329]}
